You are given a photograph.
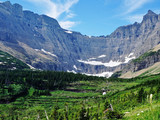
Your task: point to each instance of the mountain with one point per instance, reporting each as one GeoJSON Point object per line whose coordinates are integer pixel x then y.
{"type": "Point", "coordinates": [146, 64]}
{"type": "Point", "coordinates": [39, 41]}
{"type": "Point", "coordinates": [8, 62]}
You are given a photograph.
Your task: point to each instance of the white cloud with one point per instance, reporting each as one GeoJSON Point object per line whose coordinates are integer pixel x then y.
{"type": "Point", "coordinates": [138, 17]}
{"type": "Point", "coordinates": [57, 8]}
{"type": "Point", "coordinates": [135, 18]}
{"type": "Point", "coordinates": [70, 15]}
{"type": "Point", "coordinates": [132, 5]}
{"type": "Point", "coordinates": [68, 24]}
{"type": "Point", "coordinates": [157, 11]}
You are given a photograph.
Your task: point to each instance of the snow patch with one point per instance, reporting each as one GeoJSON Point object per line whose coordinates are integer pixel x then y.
{"type": "Point", "coordinates": [109, 64]}
{"type": "Point", "coordinates": [131, 54]}
{"type": "Point", "coordinates": [104, 74]}
{"type": "Point", "coordinates": [49, 53]}
{"type": "Point", "coordinates": [1, 63]}
{"type": "Point", "coordinates": [70, 32]}
{"type": "Point", "coordinates": [72, 71]}
{"type": "Point", "coordinates": [101, 56]}
{"type": "Point", "coordinates": [36, 49]}
{"type": "Point", "coordinates": [31, 67]}
{"type": "Point", "coordinates": [129, 57]}
{"type": "Point", "coordinates": [92, 58]}
{"type": "Point", "coordinates": [75, 67]}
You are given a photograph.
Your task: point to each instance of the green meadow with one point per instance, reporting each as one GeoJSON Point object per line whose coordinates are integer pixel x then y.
{"type": "Point", "coordinates": [46, 95]}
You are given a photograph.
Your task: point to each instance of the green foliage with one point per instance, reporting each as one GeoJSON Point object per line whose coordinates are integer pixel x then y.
{"type": "Point", "coordinates": [116, 74]}
{"type": "Point", "coordinates": [114, 115]}
{"type": "Point", "coordinates": [145, 55]}
{"type": "Point", "coordinates": [141, 95]}
{"type": "Point", "coordinates": [54, 115]}
{"type": "Point", "coordinates": [106, 104]}
{"type": "Point", "coordinates": [8, 62]}
{"type": "Point", "coordinates": [83, 113]}
{"type": "Point", "coordinates": [73, 96]}
{"type": "Point", "coordinates": [31, 91]}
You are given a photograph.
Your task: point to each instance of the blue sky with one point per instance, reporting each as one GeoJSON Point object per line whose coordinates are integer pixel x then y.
{"type": "Point", "coordinates": [92, 17]}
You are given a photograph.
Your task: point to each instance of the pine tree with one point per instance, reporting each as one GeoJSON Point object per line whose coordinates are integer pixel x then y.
{"type": "Point", "coordinates": [158, 89]}
{"type": "Point", "coordinates": [141, 95]}
{"type": "Point", "coordinates": [151, 90]}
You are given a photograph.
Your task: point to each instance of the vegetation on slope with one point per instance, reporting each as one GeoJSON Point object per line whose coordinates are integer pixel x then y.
{"type": "Point", "coordinates": [145, 65]}
{"type": "Point", "coordinates": [9, 62]}
{"type": "Point", "coordinates": [145, 55]}
{"type": "Point", "coordinates": [60, 95]}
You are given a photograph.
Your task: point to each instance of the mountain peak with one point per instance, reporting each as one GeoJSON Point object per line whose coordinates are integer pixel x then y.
{"type": "Point", "coordinates": [153, 17]}
{"type": "Point", "coordinates": [6, 3]}
{"type": "Point", "coordinates": [150, 12]}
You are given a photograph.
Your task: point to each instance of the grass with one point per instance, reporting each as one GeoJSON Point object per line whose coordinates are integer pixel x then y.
{"type": "Point", "coordinates": [72, 95]}
{"type": "Point", "coordinates": [89, 92]}
{"type": "Point", "coordinates": [144, 113]}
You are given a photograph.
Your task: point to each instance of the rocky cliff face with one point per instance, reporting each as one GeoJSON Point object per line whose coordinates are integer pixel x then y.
{"type": "Point", "coordinates": [39, 40]}
{"type": "Point", "coordinates": [146, 64]}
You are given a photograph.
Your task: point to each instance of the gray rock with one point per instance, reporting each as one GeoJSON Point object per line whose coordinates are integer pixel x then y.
{"type": "Point", "coordinates": [40, 41]}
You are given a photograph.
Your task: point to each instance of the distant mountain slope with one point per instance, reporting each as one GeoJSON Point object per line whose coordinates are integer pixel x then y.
{"type": "Point", "coordinates": [8, 62]}
{"type": "Point", "coordinates": [39, 41]}
{"type": "Point", "coordinates": [146, 64]}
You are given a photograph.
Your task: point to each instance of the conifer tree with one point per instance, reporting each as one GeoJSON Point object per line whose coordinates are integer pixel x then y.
{"type": "Point", "coordinates": [141, 95]}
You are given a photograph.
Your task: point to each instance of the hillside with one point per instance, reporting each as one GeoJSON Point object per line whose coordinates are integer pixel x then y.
{"type": "Point", "coordinates": [40, 95]}
{"type": "Point", "coordinates": [39, 41]}
{"type": "Point", "coordinates": [146, 64]}
{"type": "Point", "coordinates": [8, 62]}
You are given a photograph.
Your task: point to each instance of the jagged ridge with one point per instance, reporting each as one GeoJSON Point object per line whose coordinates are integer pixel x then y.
{"type": "Point", "coordinates": [39, 40]}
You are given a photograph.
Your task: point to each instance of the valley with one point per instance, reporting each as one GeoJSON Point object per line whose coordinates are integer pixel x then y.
{"type": "Point", "coordinates": [50, 73]}
{"type": "Point", "coordinates": [39, 41]}
{"type": "Point", "coordinates": [79, 96]}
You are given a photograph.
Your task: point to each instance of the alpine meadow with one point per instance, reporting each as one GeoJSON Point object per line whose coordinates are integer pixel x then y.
{"type": "Point", "coordinates": [48, 72]}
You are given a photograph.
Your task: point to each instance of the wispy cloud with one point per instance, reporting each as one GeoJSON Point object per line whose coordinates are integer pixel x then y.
{"type": "Point", "coordinates": [135, 18]}
{"type": "Point", "coordinates": [57, 8]}
{"type": "Point", "coordinates": [68, 24]}
{"type": "Point", "coordinates": [132, 5]}
{"type": "Point", "coordinates": [138, 17]}
{"type": "Point", "coordinates": [157, 11]}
